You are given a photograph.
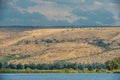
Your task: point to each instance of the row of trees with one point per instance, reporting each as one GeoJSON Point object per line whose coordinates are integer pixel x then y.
{"type": "Point", "coordinates": [58, 65]}
{"type": "Point", "coordinates": [110, 65]}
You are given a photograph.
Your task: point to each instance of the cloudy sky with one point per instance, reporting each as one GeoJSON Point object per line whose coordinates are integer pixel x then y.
{"type": "Point", "coordinates": [59, 12]}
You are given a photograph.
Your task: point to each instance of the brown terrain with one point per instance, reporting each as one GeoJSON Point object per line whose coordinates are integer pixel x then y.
{"type": "Point", "coordinates": [76, 45]}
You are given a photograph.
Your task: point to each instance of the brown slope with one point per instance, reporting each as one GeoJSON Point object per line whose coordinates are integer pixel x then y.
{"type": "Point", "coordinates": [73, 45]}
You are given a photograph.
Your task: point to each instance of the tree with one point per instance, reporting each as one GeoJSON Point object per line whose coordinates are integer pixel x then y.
{"type": "Point", "coordinates": [39, 66]}
{"type": "Point", "coordinates": [101, 43]}
{"type": "Point", "coordinates": [32, 66]}
{"type": "Point", "coordinates": [27, 41]}
{"type": "Point", "coordinates": [45, 66]}
{"type": "Point", "coordinates": [5, 65]}
{"type": "Point", "coordinates": [36, 42]}
{"type": "Point", "coordinates": [90, 68]}
{"type": "Point", "coordinates": [110, 65]}
{"type": "Point", "coordinates": [48, 41]}
{"type": "Point", "coordinates": [20, 66]}
{"type": "Point", "coordinates": [26, 66]}
{"type": "Point", "coordinates": [75, 66]}
{"type": "Point", "coordinates": [1, 65]}
{"type": "Point", "coordinates": [80, 67]}
{"type": "Point", "coordinates": [12, 66]}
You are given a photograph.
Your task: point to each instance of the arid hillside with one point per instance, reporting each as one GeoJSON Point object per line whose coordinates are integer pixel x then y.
{"type": "Point", "coordinates": [76, 45]}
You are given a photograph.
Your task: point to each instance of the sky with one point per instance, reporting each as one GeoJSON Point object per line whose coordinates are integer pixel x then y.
{"type": "Point", "coordinates": [59, 12]}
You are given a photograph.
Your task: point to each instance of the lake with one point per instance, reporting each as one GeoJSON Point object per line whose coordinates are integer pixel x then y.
{"type": "Point", "coordinates": [60, 76]}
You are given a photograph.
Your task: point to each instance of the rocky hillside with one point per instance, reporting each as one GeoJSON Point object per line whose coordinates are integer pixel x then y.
{"type": "Point", "coordinates": [76, 45]}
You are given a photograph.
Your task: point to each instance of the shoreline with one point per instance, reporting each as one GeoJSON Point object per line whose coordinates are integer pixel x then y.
{"type": "Point", "coordinates": [57, 71]}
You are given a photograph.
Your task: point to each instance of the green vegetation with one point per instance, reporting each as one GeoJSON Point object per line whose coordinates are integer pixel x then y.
{"type": "Point", "coordinates": [0, 65]}
{"type": "Point", "coordinates": [62, 67]}
{"type": "Point", "coordinates": [100, 43]}
{"type": "Point", "coordinates": [113, 64]}
{"type": "Point", "coordinates": [38, 71]}
{"type": "Point", "coordinates": [13, 57]}
{"type": "Point", "coordinates": [57, 71]}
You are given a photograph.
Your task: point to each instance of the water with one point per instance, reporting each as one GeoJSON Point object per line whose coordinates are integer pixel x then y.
{"type": "Point", "coordinates": [59, 76]}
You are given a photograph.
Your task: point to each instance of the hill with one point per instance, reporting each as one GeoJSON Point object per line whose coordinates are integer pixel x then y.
{"type": "Point", "coordinates": [76, 45]}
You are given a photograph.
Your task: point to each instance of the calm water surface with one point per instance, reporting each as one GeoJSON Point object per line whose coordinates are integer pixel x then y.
{"type": "Point", "coordinates": [59, 76]}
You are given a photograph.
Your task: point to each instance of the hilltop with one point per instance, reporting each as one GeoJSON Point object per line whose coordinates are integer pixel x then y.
{"type": "Point", "coordinates": [76, 45]}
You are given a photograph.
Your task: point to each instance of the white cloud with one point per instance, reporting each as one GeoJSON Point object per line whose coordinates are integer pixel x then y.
{"type": "Point", "coordinates": [21, 10]}
{"type": "Point", "coordinates": [100, 23]}
{"type": "Point", "coordinates": [83, 0]}
{"type": "Point", "coordinates": [15, 6]}
{"type": "Point", "coordinates": [110, 7]}
{"type": "Point", "coordinates": [113, 8]}
{"type": "Point", "coordinates": [98, 3]}
{"type": "Point", "coordinates": [52, 11]}
{"type": "Point", "coordinates": [43, 2]}
{"type": "Point", "coordinates": [49, 9]}
{"type": "Point", "coordinates": [14, 19]}
{"type": "Point", "coordinates": [59, 12]}
{"type": "Point", "coordinates": [77, 1]}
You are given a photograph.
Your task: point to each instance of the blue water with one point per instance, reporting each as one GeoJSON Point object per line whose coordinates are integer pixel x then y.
{"type": "Point", "coordinates": [60, 76]}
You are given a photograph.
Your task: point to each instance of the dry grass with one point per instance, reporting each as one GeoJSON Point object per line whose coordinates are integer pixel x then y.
{"type": "Point", "coordinates": [50, 45]}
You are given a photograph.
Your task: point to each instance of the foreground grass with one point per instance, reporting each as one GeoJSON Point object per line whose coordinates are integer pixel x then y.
{"type": "Point", "coordinates": [58, 71]}
{"type": "Point", "coordinates": [37, 71]}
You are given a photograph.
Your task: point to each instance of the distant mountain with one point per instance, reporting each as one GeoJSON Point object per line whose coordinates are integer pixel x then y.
{"type": "Point", "coordinates": [68, 26]}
